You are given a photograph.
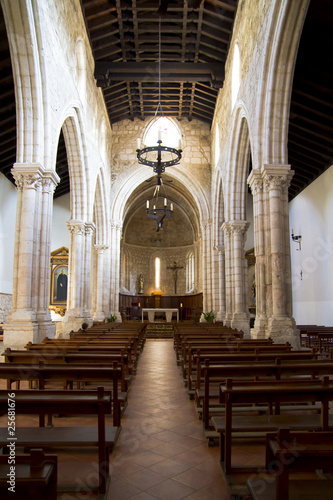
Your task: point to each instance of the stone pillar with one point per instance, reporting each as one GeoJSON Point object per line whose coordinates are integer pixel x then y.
{"type": "Point", "coordinates": [46, 327]}
{"type": "Point", "coordinates": [88, 233]}
{"type": "Point", "coordinates": [29, 319]}
{"type": "Point", "coordinates": [207, 266]}
{"type": "Point", "coordinates": [116, 228]}
{"type": "Point", "coordinates": [74, 315]}
{"type": "Point", "coordinates": [240, 314]}
{"type": "Point", "coordinates": [228, 276]}
{"type": "Point", "coordinates": [280, 326]}
{"type": "Point", "coordinates": [256, 183]}
{"type": "Point", "coordinates": [99, 314]}
{"type": "Point", "coordinates": [220, 315]}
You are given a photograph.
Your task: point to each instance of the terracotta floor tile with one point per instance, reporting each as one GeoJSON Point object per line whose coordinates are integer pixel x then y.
{"type": "Point", "coordinates": [170, 489]}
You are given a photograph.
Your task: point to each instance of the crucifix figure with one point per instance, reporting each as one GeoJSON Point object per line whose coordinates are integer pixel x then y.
{"type": "Point", "coordinates": [175, 268]}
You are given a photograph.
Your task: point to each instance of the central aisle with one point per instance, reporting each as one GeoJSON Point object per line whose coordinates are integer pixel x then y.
{"type": "Point", "coordinates": [162, 452]}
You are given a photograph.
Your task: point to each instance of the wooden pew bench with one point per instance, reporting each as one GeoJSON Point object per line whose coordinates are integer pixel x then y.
{"type": "Point", "coordinates": [272, 392]}
{"type": "Point", "coordinates": [34, 476]}
{"type": "Point", "coordinates": [199, 356]}
{"type": "Point", "coordinates": [98, 358]}
{"type": "Point", "coordinates": [215, 375]}
{"type": "Point", "coordinates": [32, 402]}
{"type": "Point", "coordinates": [294, 452]}
{"type": "Point", "coordinates": [69, 373]}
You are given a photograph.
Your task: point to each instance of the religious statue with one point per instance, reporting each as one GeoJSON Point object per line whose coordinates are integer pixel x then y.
{"type": "Point", "coordinates": [141, 281]}
{"type": "Point", "coordinates": [174, 269]}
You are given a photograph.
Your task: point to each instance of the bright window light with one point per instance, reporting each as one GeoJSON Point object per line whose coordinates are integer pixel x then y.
{"type": "Point", "coordinates": [157, 273]}
{"type": "Point", "coordinates": [168, 133]}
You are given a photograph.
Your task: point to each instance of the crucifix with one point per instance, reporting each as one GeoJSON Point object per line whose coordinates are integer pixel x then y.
{"type": "Point", "coordinates": [175, 268]}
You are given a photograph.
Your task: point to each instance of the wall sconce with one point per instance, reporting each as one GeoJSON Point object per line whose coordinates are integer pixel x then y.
{"type": "Point", "coordinates": [297, 239]}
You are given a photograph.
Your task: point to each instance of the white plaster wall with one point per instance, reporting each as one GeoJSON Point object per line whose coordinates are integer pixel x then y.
{"type": "Point", "coordinates": [8, 199]}
{"type": "Point", "coordinates": [311, 217]}
{"type": "Point", "coordinates": [61, 214]}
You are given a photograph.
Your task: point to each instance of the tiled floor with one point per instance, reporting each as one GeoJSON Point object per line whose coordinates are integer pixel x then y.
{"type": "Point", "coordinates": [162, 452]}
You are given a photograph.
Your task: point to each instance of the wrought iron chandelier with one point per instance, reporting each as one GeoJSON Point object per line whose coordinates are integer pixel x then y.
{"type": "Point", "coordinates": [157, 208]}
{"type": "Point", "coordinates": [159, 157]}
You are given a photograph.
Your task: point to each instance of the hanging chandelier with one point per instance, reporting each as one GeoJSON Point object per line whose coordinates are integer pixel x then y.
{"type": "Point", "coordinates": [159, 157]}
{"type": "Point", "coordinates": [157, 208]}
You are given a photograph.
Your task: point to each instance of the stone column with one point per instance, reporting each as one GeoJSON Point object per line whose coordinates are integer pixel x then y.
{"type": "Point", "coordinates": [207, 267]}
{"type": "Point", "coordinates": [228, 275]}
{"type": "Point", "coordinates": [240, 315]}
{"type": "Point", "coordinates": [99, 314]}
{"type": "Point", "coordinates": [74, 315]}
{"type": "Point", "coordinates": [116, 228]}
{"type": "Point", "coordinates": [46, 326]}
{"type": "Point", "coordinates": [256, 183]}
{"type": "Point", "coordinates": [31, 263]}
{"type": "Point", "coordinates": [281, 326]}
{"type": "Point", "coordinates": [220, 315]}
{"type": "Point", "coordinates": [88, 233]}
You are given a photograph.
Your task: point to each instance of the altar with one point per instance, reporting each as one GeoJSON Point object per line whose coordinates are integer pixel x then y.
{"type": "Point", "coordinates": [151, 313]}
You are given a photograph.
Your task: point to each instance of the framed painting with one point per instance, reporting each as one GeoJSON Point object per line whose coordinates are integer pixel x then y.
{"type": "Point", "coordinates": [59, 279]}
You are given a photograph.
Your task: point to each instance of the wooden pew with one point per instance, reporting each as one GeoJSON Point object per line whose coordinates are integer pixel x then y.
{"type": "Point", "coordinates": [197, 355]}
{"type": "Point", "coordinates": [257, 371]}
{"type": "Point", "coordinates": [98, 358]}
{"type": "Point", "coordinates": [34, 476]}
{"type": "Point", "coordinates": [32, 402]}
{"type": "Point", "coordinates": [70, 373]}
{"type": "Point", "coordinates": [291, 452]}
{"type": "Point", "coordinates": [198, 360]}
{"type": "Point", "coordinates": [272, 392]}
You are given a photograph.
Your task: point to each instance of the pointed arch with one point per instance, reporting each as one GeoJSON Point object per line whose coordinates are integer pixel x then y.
{"type": "Point", "coordinates": [81, 206]}
{"type": "Point", "coordinates": [22, 38]}
{"type": "Point", "coordinates": [239, 163]}
{"type": "Point", "coordinates": [286, 31]}
{"type": "Point", "coordinates": [101, 217]}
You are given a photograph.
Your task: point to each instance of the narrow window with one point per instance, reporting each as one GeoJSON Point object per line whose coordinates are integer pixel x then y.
{"type": "Point", "coordinates": [157, 273]}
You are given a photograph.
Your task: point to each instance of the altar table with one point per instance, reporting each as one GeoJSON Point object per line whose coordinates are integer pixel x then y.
{"type": "Point", "coordinates": [151, 313]}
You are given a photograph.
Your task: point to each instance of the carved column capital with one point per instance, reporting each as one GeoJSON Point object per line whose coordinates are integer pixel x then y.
{"type": "Point", "coordinates": [27, 176]}
{"type": "Point", "coordinates": [277, 177]}
{"type": "Point", "coordinates": [239, 226]}
{"type": "Point", "coordinates": [99, 249]}
{"type": "Point", "coordinates": [50, 181]}
{"type": "Point", "coordinates": [76, 227]}
{"type": "Point", "coordinates": [89, 228]}
{"type": "Point", "coordinates": [116, 224]}
{"type": "Point", "coordinates": [255, 182]}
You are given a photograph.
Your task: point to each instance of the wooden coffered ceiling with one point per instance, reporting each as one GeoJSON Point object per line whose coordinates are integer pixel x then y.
{"type": "Point", "coordinates": [194, 43]}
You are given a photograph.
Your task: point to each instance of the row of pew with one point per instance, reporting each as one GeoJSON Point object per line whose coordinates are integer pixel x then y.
{"type": "Point", "coordinates": [89, 373]}
{"type": "Point", "coordinates": [319, 337]}
{"type": "Point", "coordinates": [255, 388]}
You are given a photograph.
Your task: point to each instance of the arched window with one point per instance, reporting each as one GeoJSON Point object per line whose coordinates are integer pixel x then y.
{"type": "Point", "coordinates": [165, 130]}
{"type": "Point", "coordinates": [157, 273]}
{"type": "Point", "coordinates": [189, 272]}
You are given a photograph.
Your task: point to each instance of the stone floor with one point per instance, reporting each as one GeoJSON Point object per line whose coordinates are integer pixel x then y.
{"type": "Point", "coordinates": [162, 452]}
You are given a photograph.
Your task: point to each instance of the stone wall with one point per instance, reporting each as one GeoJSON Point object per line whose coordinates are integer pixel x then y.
{"type": "Point", "coordinates": [142, 261]}
{"type": "Point", "coordinates": [5, 306]}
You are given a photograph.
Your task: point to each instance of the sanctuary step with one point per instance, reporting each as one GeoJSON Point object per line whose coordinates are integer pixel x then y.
{"type": "Point", "coordinates": [159, 331]}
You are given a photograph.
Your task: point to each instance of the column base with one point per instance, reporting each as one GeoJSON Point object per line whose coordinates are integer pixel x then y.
{"type": "Point", "coordinates": [259, 329]}
{"type": "Point", "coordinates": [99, 316]}
{"type": "Point", "coordinates": [17, 334]}
{"type": "Point", "coordinates": [46, 329]}
{"type": "Point", "coordinates": [283, 329]}
{"type": "Point", "coordinates": [241, 321]}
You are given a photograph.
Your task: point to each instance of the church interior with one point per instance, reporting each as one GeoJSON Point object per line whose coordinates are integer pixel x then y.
{"type": "Point", "coordinates": [166, 249]}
